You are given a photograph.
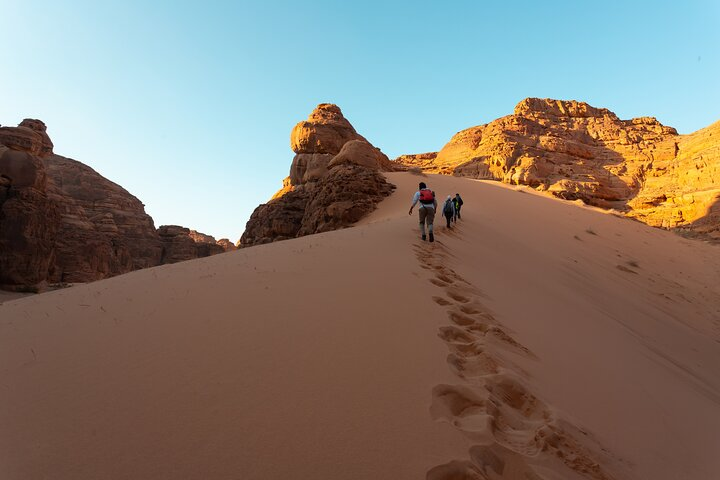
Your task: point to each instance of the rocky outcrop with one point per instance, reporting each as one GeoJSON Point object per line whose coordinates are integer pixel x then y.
{"type": "Point", "coordinates": [339, 199]}
{"type": "Point", "coordinates": [575, 151]}
{"type": "Point", "coordinates": [682, 190]}
{"type": "Point", "coordinates": [29, 220]}
{"type": "Point", "coordinates": [423, 161]}
{"type": "Point", "coordinates": [334, 181]}
{"type": "Point", "coordinates": [62, 222]}
{"type": "Point", "coordinates": [180, 244]}
{"type": "Point", "coordinates": [226, 245]}
{"type": "Point", "coordinates": [104, 230]}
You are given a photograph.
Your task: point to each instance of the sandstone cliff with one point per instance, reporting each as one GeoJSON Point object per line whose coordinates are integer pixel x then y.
{"type": "Point", "coordinates": [180, 244]}
{"type": "Point", "coordinates": [60, 221]}
{"type": "Point", "coordinates": [424, 161]}
{"type": "Point", "coordinates": [29, 220]}
{"type": "Point", "coordinates": [334, 181]}
{"type": "Point", "coordinates": [575, 151]}
{"type": "Point", "coordinates": [103, 231]}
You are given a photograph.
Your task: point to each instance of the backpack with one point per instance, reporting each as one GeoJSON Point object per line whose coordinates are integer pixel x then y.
{"type": "Point", "coordinates": [448, 209]}
{"type": "Point", "coordinates": [459, 201]}
{"type": "Point", "coordinates": [427, 196]}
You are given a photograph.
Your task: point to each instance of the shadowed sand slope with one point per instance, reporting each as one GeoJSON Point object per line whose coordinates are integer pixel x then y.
{"type": "Point", "coordinates": [536, 340]}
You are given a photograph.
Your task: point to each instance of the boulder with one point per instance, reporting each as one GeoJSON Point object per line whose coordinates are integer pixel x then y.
{"type": "Point", "coordinates": [325, 131]}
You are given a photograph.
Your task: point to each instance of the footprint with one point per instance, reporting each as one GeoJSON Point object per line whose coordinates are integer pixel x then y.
{"type": "Point", "coordinates": [437, 282]}
{"type": "Point", "coordinates": [467, 350]}
{"type": "Point", "coordinates": [558, 443]}
{"type": "Point", "coordinates": [623, 268]}
{"type": "Point", "coordinates": [450, 402]}
{"type": "Point", "coordinates": [506, 390]}
{"type": "Point", "coordinates": [500, 335]}
{"type": "Point", "coordinates": [469, 309]}
{"type": "Point", "coordinates": [477, 366]}
{"type": "Point", "coordinates": [455, 335]}
{"type": "Point", "coordinates": [455, 470]}
{"type": "Point", "coordinates": [503, 463]}
{"type": "Point", "coordinates": [462, 319]}
{"type": "Point", "coordinates": [442, 301]}
{"type": "Point", "coordinates": [463, 408]}
{"type": "Point", "coordinates": [485, 316]}
{"type": "Point", "coordinates": [444, 278]}
{"type": "Point", "coordinates": [457, 297]}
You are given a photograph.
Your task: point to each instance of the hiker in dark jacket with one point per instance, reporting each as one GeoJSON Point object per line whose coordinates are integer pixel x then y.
{"type": "Point", "coordinates": [458, 201]}
{"type": "Point", "coordinates": [448, 210]}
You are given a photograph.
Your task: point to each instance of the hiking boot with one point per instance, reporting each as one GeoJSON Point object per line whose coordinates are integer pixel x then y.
{"type": "Point", "coordinates": [423, 238]}
{"type": "Point", "coordinates": [432, 237]}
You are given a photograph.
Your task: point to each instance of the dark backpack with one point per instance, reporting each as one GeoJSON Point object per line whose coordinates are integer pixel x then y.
{"type": "Point", "coordinates": [448, 209]}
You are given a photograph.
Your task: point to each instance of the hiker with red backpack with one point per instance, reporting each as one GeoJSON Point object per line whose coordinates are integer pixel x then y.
{"type": "Point", "coordinates": [426, 210]}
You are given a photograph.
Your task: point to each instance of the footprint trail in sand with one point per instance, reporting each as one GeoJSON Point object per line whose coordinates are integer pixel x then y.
{"type": "Point", "coordinates": [515, 434]}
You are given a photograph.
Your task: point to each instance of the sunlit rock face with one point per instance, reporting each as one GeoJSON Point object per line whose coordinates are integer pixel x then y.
{"type": "Point", "coordinates": [575, 151]}
{"type": "Point", "coordinates": [423, 161]}
{"type": "Point", "coordinates": [334, 181]}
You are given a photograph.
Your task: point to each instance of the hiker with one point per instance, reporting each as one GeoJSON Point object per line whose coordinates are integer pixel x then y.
{"type": "Point", "coordinates": [457, 201]}
{"type": "Point", "coordinates": [426, 210]}
{"type": "Point", "coordinates": [448, 210]}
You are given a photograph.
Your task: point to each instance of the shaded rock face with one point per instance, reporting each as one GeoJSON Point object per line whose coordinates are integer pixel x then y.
{"type": "Point", "coordinates": [180, 244]}
{"type": "Point", "coordinates": [104, 230]}
{"type": "Point", "coordinates": [341, 198]}
{"type": "Point", "coordinates": [60, 221]}
{"type": "Point", "coordinates": [29, 221]}
{"type": "Point", "coordinates": [334, 181]}
{"type": "Point", "coordinates": [575, 151]}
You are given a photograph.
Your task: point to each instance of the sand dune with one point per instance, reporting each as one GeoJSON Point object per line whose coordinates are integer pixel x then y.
{"type": "Point", "coordinates": [536, 340]}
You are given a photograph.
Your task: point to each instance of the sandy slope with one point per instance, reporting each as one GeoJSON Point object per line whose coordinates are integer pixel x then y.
{"type": "Point", "coordinates": [539, 339]}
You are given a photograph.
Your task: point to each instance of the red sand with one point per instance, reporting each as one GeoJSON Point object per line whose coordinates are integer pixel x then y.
{"type": "Point", "coordinates": [537, 340]}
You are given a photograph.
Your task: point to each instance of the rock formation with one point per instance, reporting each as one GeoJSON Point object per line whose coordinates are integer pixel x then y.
{"type": "Point", "coordinates": [423, 161]}
{"type": "Point", "coordinates": [29, 220]}
{"type": "Point", "coordinates": [180, 244]}
{"type": "Point", "coordinates": [575, 151]}
{"type": "Point", "coordinates": [104, 230]}
{"type": "Point", "coordinates": [60, 221]}
{"type": "Point", "coordinates": [334, 181]}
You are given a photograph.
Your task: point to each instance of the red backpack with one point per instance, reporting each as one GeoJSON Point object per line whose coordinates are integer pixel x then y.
{"type": "Point", "coordinates": [427, 196]}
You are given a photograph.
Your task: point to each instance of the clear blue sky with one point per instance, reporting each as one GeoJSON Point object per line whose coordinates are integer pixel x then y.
{"type": "Point", "coordinates": [189, 105]}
